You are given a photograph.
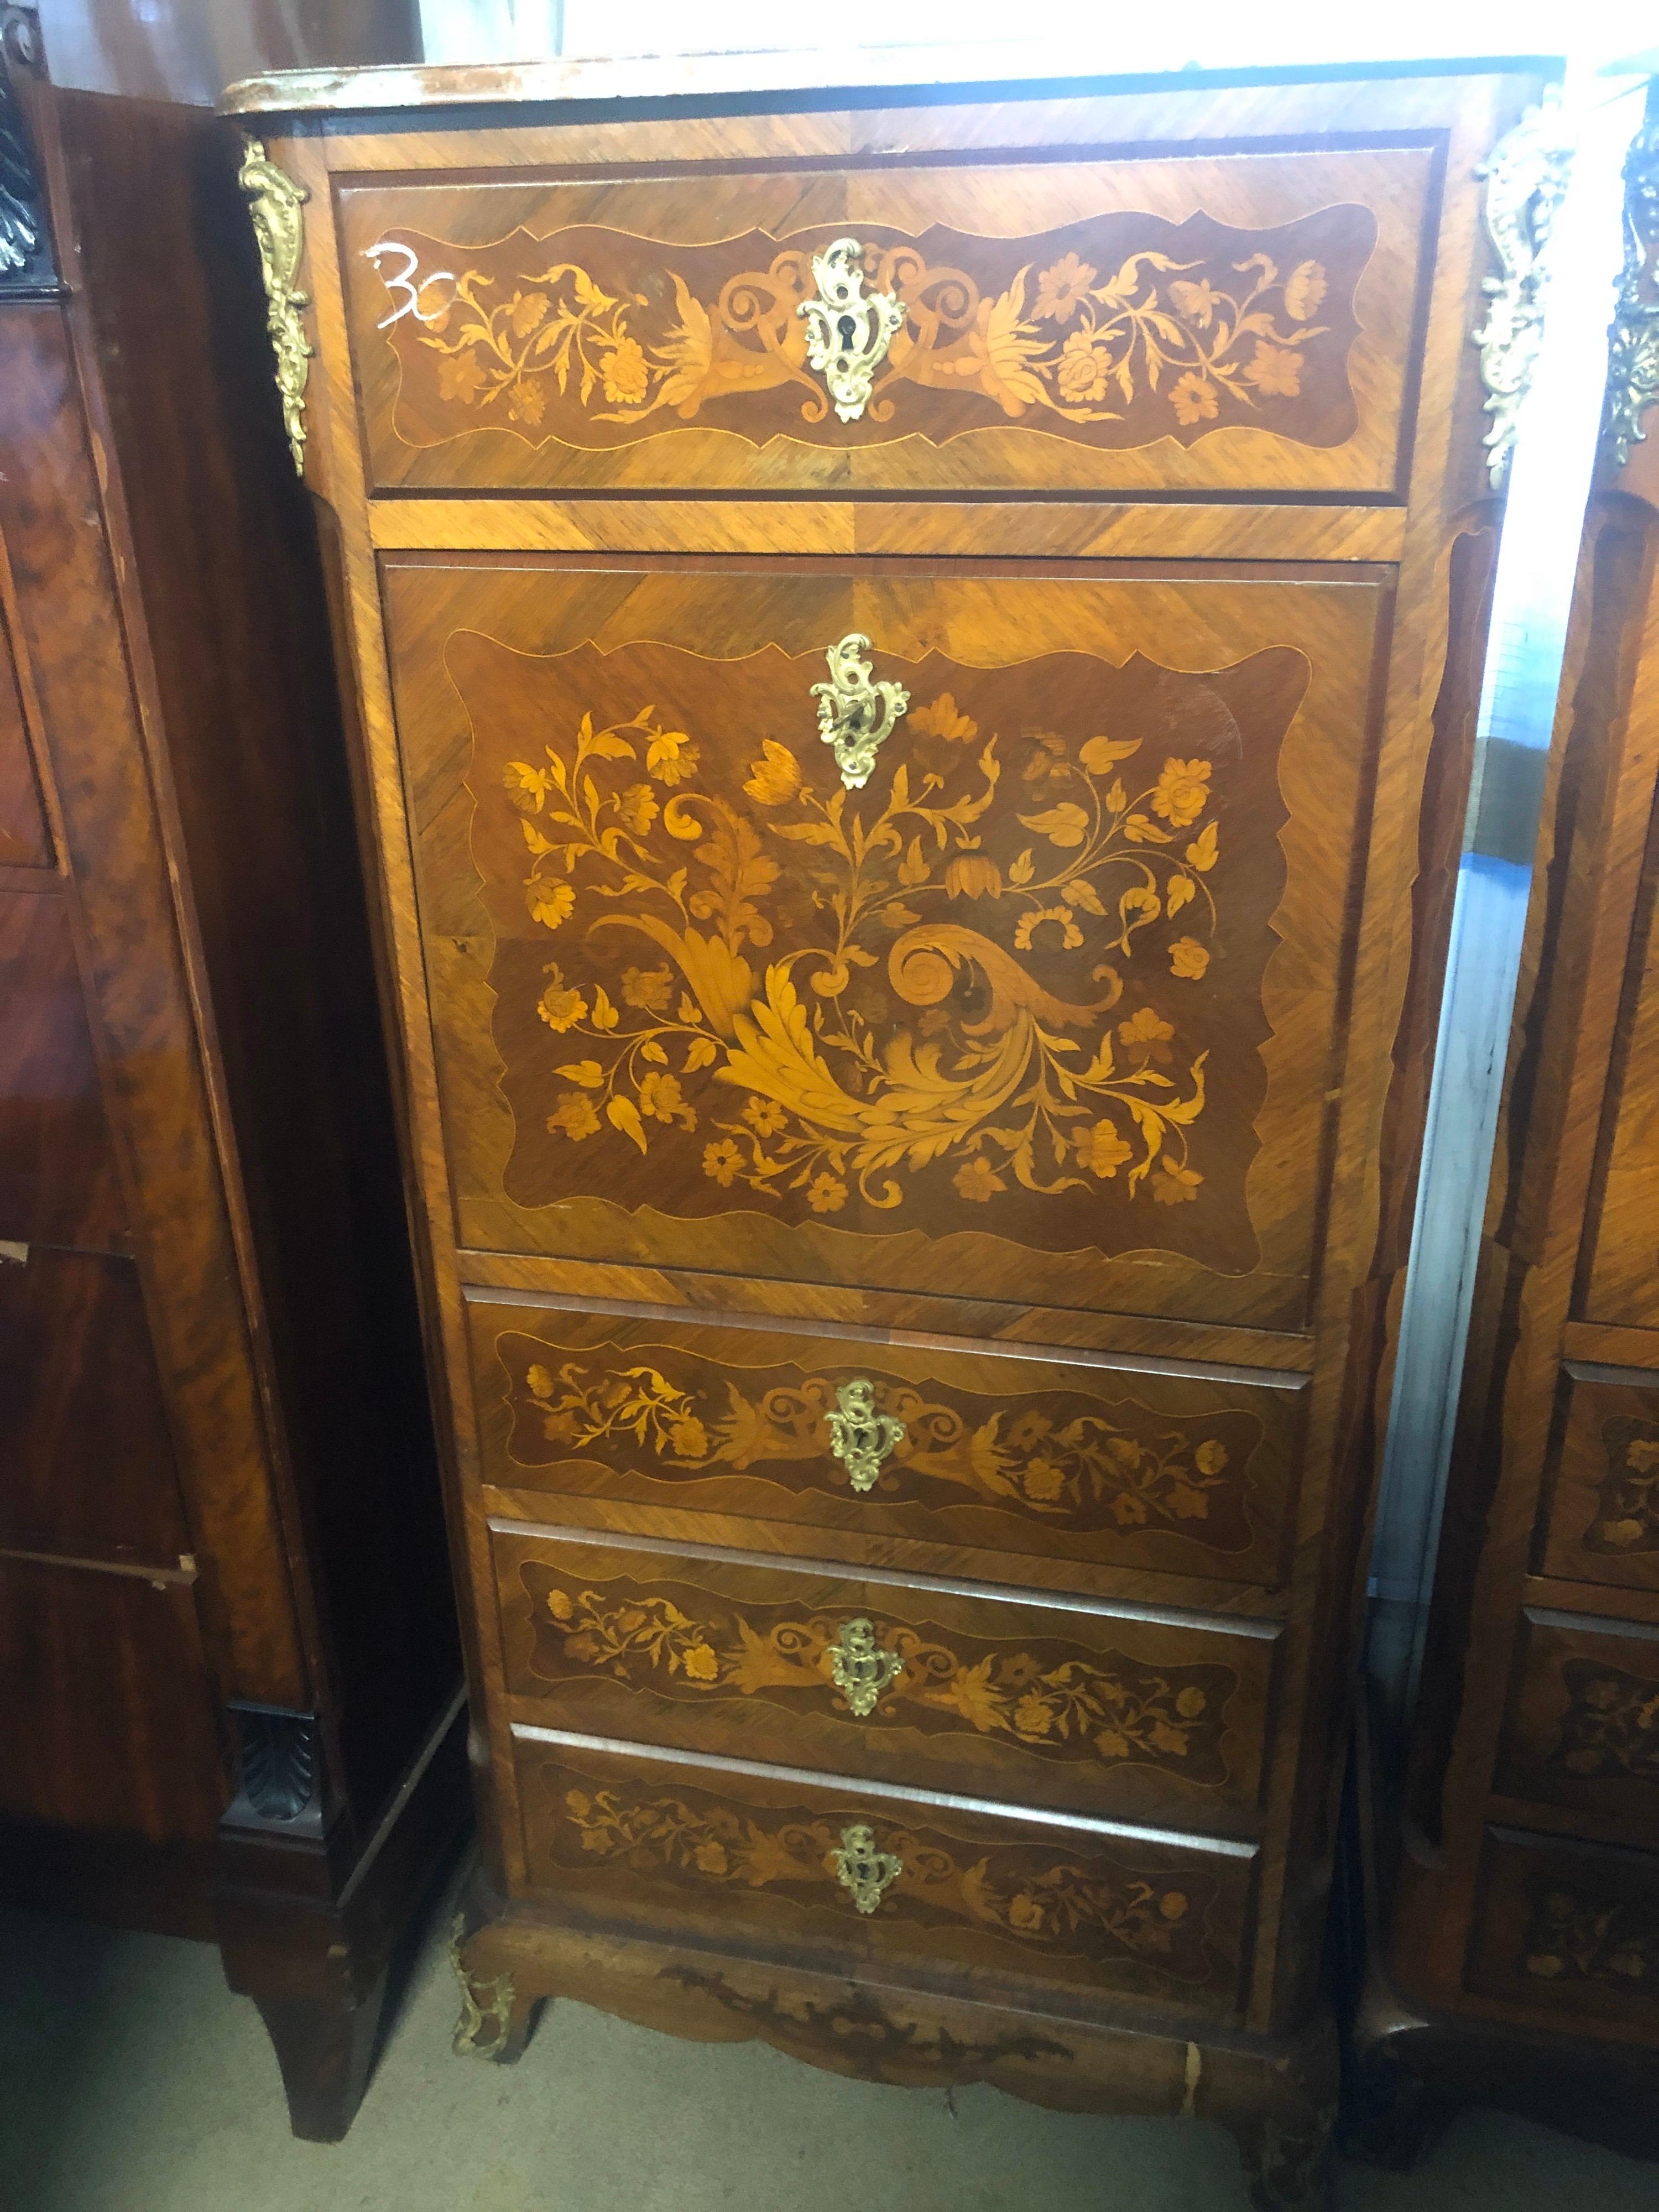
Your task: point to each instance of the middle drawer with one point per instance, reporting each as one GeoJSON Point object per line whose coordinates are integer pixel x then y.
{"type": "Point", "coordinates": [1135, 1716]}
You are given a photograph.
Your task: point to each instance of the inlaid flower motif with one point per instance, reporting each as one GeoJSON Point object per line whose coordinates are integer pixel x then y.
{"type": "Point", "coordinates": [1275, 370]}
{"type": "Point", "coordinates": [561, 1006]}
{"type": "Point", "coordinates": [637, 809]}
{"type": "Point", "coordinates": [826, 1194]}
{"type": "Point", "coordinates": [1188, 957]}
{"type": "Point", "coordinates": [550, 904]}
{"type": "Point", "coordinates": [1026, 1914]}
{"type": "Point", "coordinates": [977, 1180]}
{"type": "Point", "coordinates": [1304, 291]}
{"type": "Point", "coordinates": [1197, 303]}
{"type": "Point", "coordinates": [1174, 1184]}
{"type": "Point", "coordinates": [671, 757]}
{"type": "Point", "coordinates": [1103, 1150]}
{"type": "Point", "coordinates": [722, 1161]}
{"type": "Point", "coordinates": [573, 1115]}
{"type": "Point", "coordinates": [973, 875]}
{"type": "Point", "coordinates": [650, 989]}
{"type": "Point", "coordinates": [1061, 290]}
{"type": "Point", "coordinates": [765, 1116]}
{"type": "Point", "coordinates": [1032, 1716]}
{"type": "Point", "coordinates": [775, 777]}
{"type": "Point", "coordinates": [461, 377]}
{"type": "Point", "coordinates": [710, 1856]}
{"type": "Point", "coordinates": [1085, 369]}
{"type": "Point", "coordinates": [688, 1438]}
{"type": "Point", "coordinates": [624, 373]}
{"type": "Point", "coordinates": [1147, 1036]}
{"type": "Point", "coordinates": [1211, 1457]}
{"type": "Point", "coordinates": [1043, 1479]}
{"type": "Point", "coordinates": [701, 1663]}
{"type": "Point", "coordinates": [1194, 400]}
{"type": "Point", "coordinates": [939, 718]}
{"type": "Point", "coordinates": [1183, 792]}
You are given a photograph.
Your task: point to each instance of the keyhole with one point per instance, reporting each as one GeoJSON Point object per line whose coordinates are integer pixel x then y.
{"type": "Point", "coordinates": [849, 330]}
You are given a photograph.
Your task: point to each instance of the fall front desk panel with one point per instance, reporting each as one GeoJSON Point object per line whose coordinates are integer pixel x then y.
{"type": "Point", "coordinates": [1050, 1005]}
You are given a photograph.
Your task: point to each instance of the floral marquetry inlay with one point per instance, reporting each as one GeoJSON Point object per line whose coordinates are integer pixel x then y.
{"type": "Point", "coordinates": [1050, 1697]}
{"type": "Point", "coordinates": [1575, 1938]}
{"type": "Point", "coordinates": [1018, 974]}
{"type": "Point", "coordinates": [1610, 1729]}
{"type": "Point", "coordinates": [1115, 331]}
{"type": "Point", "coordinates": [1039, 1897]}
{"type": "Point", "coordinates": [1063, 1457]}
{"type": "Point", "coordinates": [1628, 1519]}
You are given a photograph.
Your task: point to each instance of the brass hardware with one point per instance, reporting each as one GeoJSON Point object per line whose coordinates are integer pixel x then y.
{"type": "Point", "coordinates": [856, 715]}
{"type": "Point", "coordinates": [847, 334]}
{"type": "Point", "coordinates": [862, 1869]}
{"type": "Point", "coordinates": [1526, 180]}
{"type": "Point", "coordinates": [481, 2002]}
{"type": "Point", "coordinates": [1633, 343]}
{"type": "Point", "coordinates": [279, 230]}
{"type": "Point", "coordinates": [860, 1669]}
{"type": "Point", "coordinates": [859, 1436]}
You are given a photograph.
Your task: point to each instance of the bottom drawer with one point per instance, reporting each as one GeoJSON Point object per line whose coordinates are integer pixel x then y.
{"type": "Point", "coordinates": [857, 1871]}
{"type": "Point", "coordinates": [1570, 1928]}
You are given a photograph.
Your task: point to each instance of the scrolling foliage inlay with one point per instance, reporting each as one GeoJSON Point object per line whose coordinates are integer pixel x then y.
{"type": "Point", "coordinates": [1114, 331]}
{"type": "Point", "coordinates": [1014, 981]}
{"type": "Point", "coordinates": [1040, 1896]}
{"type": "Point", "coordinates": [1062, 1456]}
{"type": "Point", "coordinates": [1049, 1696]}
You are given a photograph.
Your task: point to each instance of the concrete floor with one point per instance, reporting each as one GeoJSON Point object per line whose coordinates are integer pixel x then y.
{"type": "Point", "coordinates": [132, 2081]}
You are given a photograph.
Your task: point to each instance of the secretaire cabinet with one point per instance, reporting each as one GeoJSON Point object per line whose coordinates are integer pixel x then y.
{"type": "Point", "coordinates": [914, 651]}
{"type": "Point", "coordinates": [1521, 1958]}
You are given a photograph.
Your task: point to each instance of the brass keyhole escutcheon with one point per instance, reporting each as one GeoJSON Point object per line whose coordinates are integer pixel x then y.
{"type": "Point", "coordinates": [860, 1669]}
{"type": "Point", "coordinates": [859, 1436]}
{"type": "Point", "coordinates": [848, 332]}
{"type": "Point", "coordinates": [863, 1870]}
{"type": "Point", "coordinates": [856, 713]}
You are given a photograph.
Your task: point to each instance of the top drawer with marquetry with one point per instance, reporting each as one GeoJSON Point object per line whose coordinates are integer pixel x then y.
{"type": "Point", "coordinates": [1239, 322]}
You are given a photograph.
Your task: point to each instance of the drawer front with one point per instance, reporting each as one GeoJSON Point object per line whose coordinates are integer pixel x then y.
{"type": "Point", "coordinates": [1583, 1724]}
{"type": "Point", "coordinates": [1022, 1457]}
{"type": "Point", "coordinates": [773, 1857]}
{"type": "Point", "coordinates": [909, 1684]}
{"type": "Point", "coordinates": [1247, 321]}
{"type": "Point", "coordinates": [1602, 1522]}
{"type": "Point", "coordinates": [1570, 1930]}
{"type": "Point", "coordinates": [1623, 1283]}
{"type": "Point", "coordinates": [1051, 1001]}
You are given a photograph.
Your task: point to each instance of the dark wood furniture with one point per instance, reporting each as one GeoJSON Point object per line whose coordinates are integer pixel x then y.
{"type": "Point", "coordinates": [227, 1652]}
{"type": "Point", "coordinates": [910, 1219]}
{"type": "Point", "coordinates": [1517, 1888]}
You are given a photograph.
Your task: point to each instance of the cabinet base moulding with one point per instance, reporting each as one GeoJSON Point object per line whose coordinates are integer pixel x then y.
{"type": "Point", "coordinates": [1277, 2095]}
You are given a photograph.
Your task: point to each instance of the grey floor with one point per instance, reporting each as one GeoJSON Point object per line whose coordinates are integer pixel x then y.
{"type": "Point", "coordinates": [130, 2080]}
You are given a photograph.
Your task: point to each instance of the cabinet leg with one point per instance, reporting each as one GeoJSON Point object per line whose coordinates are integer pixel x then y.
{"type": "Point", "coordinates": [1287, 2163]}
{"type": "Point", "coordinates": [495, 2021]}
{"type": "Point", "coordinates": [325, 2047]}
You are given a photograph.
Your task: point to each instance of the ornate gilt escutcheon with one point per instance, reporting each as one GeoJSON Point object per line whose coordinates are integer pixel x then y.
{"type": "Point", "coordinates": [279, 231]}
{"type": "Point", "coordinates": [866, 1872]}
{"type": "Point", "coordinates": [856, 715]}
{"type": "Point", "coordinates": [860, 1669]}
{"type": "Point", "coordinates": [1526, 179]}
{"type": "Point", "coordinates": [1634, 341]}
{"type": "Point", "coordinates": [486, 2018]}
{"type": "Point", "coordinates": [848, 335]}
{"type": "Point", "coordinates": [859, 1436]}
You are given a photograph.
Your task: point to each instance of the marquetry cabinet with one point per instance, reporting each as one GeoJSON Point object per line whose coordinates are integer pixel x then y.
{"type": "Point", "coordinates": [915, 649]}
{"type": "Point", "coordinates": [228, 1665]}
{"type": "Point", "coordinates": [1520, 1957]}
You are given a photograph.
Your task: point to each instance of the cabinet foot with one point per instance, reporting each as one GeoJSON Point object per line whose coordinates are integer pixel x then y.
{"type": "Point", "coordinates": [1287, 2163]}
{"type": "Point", "coordinates": [325, 2047]}
{"type": "Point", "coordinates": [496, 2021]}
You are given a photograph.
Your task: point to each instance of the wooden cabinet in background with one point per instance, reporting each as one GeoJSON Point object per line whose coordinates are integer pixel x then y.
{"type": "Point", "coordinates": [228, 1655]}
{"type": "Point", "coordinates": [898, 880]}
{"type": "Point", "coordinates": [1518, 1958]}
